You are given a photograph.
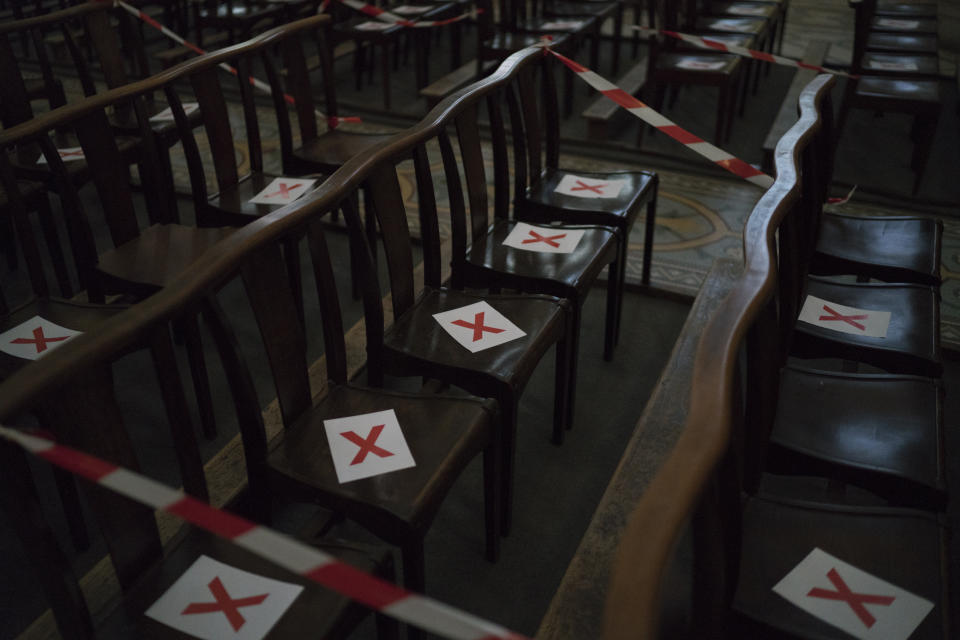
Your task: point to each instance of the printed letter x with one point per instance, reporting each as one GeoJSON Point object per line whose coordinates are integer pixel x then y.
{"type": "Point", "coordinates": [284, 190]}
{"type": "Point", "coordinates": [229, 606]}
{"type": "Point", "coordinates": [367, 445]}
{"type": "Point", "coordinates": [550, 240]}
{"type": "Point", "coordinates": [67, 154]}
{"type": "Point", "coordinates": [477, 326]}
{"type": "Point", "coordinates": [39, 340]}
{"type": "Point", "coordinates": [848, 319]}
{"type": "Point", "coordinates": [855, 600]}
{"type": "Point", "coordinates": [582, 186]}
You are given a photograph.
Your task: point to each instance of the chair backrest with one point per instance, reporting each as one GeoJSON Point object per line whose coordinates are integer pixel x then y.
{"type": "Point", "coordinates": [106, 163]}
{"type": "Point", "coordinates": [702, 479]}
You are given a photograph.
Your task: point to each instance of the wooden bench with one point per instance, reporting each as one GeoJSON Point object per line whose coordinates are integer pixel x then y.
{"type": "Point", "coordinates": [815, 53]}
{"type": "Point", "coordinates": [602, 110]}
{"type": "Point", "coordinates": [457, 79]}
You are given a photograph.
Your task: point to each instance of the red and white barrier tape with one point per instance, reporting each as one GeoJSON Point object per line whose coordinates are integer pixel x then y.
{"type": "Point", "coordinates": [716, 155]}
{"type": "Point", "coordinates": [843, 200]}
{"type": "Point", "coordinates": [291, 554]}
{"type": "Point", "coordinates": [332, 121]}
{"type": "Point", "coordinates": [706, 43]}
{"type": "Point", "coordinates": [392, 18]}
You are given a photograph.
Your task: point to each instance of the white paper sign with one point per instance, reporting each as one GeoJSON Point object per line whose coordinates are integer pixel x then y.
{"type": "Point", "coordinates": [893, 66]}
{"type": "Point", "coordinates": [367, 445]}
{"type": "Point", "coordinates": [863, 605]}
{"type": "Point", "coordinates": [67, 154]}
{"type": "Point", "coordinates": [373, 25]}
{"type": "Point", "coordinates": [167, 114]}
{"type": "Point", "coordinates": [34, 338]}
{"type": "Point", "coordinates": [478, 326]}
{"type": "Point", "coordinates": [744, 10]}
{"type": "Point", "coordinates": [893, 23]}
{"type": "Point", "coordinates": [860, 322]}
{"type": "Point", "coordinates": [701, 65]}
{"type": "Point", "coordinates": [731, 25]}
{"type": "Point", "coordinates": [543, 239]}
{"type": "Point", "coordinates": [561, 25]}
{"type": "Point", "coordinates": [580, 187]}
{"type": "Point", "coordinates": [410, 9]}
{"type": "Point", "coordinates": [283, 190]}
{"type": "Point", "coordinates": [212, 600]}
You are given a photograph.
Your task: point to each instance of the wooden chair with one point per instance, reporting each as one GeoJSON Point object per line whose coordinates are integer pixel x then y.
{"type": "Point", "coordinates": [537, 174]}
{"type": "Point", "coordinates": [916, 40]}
{"type": "Point", "coordinates": [89, 418]}
{"type": "Point", "coordinates": [745, 544]}
{"type": "Point", "coordinates": [417, 343]}
{"type": "Point", "coordinates": [888, 248]}
{"type": "Point", "coordinates": [601, 9]}
{"type": "Point", "coordinates": [670, 65]}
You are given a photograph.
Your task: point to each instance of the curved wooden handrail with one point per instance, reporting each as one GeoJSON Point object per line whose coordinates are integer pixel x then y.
{"type": "Point", "coordinates": [633, 601]}
{"type": "Point", "coordinates": [55, 17]}
{"type": "Point", "coordinates": [67, 113]}
{"type": "Point", "coordinates": [221, 261]}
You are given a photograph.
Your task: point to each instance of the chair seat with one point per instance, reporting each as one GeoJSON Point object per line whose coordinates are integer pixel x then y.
{"type": "Point", "coordinates": [78, 316]}
{"type": "Point", "coordinates": [902, 24]}
{"type": "Point", "coordinates": [157, 256]}
{"type": "Point", "coordinates": [895, 249]}
{"type": "Point", "coordinates": [417, 342]}
{"type": "Point", "coordinates": [324, 612]}
{"type": "Point", "coordinates": [897, 42]}
{"type": "Point", "coordinates": [699, 64]}
{"type": "Point", "coordinates": [443, 433]}
{"type": "Point", "coordinates": [125, 122]}
{"type": "Point", "coordinates": [27, 156]}
{"type": "Point", "coordinates": [350, 28]}
{"type": "Point", "coordinates": [330, 150]}
{"type": "Point", "coordinates": [899, 64]}
{"type": "Point", "coordinates": [232, 206]}
{"type": "Point", "coordinates": [899, 90]}
{"type": "Point", "coordinates": [899, 9]}
{"type": "Point", "coordinates": [543, 204]}
{"type": "Point", "coordinates": [241, 11]}
{"type": "Point", "coordinates": [552, 273]}
{"type": "Point", "coordinates": [912, 342]}
{"type": "Point", "coordinates": [508, 42]}
{"type": "Point", "coordinates": [563, 9]}
{"type": "Point", "coordinates": [730, 39]}
{"type": "Point", "coordinates": [753, 26]}
{"type": "Point", "coordinates": [903, 547]}
{"type": "Point", "coordinates": [881, 432]}
{"type": "Point", "coordinates": [751, 9]}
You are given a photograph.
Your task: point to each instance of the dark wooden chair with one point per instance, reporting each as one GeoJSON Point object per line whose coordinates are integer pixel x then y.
{"type": "Point", "coordinates": [888, 248]}
{"type": "Point", "coordinates": [670, 65]}
{"type": "Point", "coordinates": [419, 344]}
{"type": "Point", "coordinates": [913, 40]}
{"type": "Point", "coordinates": [745, 543]}
{"type": "Point", "coordinates": [89, 418]}
{"type": "Point", "coordinates": [537, 174]}
{"type": "Point", "coordinates": [601, 9]}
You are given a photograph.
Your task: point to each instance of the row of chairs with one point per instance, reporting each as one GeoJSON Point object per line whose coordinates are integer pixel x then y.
{"type": "Point", "coordinates": [186, 266]}
{"type": "Point", "coordinates": [896, 54]}
{"type": "Point", "coordinates": [796, 476]}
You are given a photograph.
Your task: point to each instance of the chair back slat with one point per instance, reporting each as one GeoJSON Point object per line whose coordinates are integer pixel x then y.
{"type": "Point", "coordinates": [518, 129]}
{"type": "Point", "coordinates": [15, 106]}
{"type": "Point", "coordinates": [216, 123]}
{"type": "Point", "coordinates": [251, 125]}
{"type": "Point", "coordinates": [501, 162]}
{"type": "Point", "coordinates": [471, 155]}
{"type": "Point", "coordinates": [429, 221]}
{"type": "Point", "coordinates": [531, 121]}
{"type": "Point", "coordinates": [298, 86]}
{"type": "Point", "coordinates": [106, 44]}
{"type": "Point", "coordinates": [383, 192]}
{"type": "Point", "coordinates": [335, 348]}
{"type": "Point", "coordinates": [457, 204]}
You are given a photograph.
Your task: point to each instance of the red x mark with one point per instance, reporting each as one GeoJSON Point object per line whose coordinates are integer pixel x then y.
{"type": "Point", "coordinates": [477, 326]}
{"type": "Point", "coordinates": [67, 154]}
{"type": "Point", "coordinates": [848, 319]}
{"type": "Point", "coordinates": [229, 606]}
{"type": "Point", "coordinates": [855, 600]}
{"type": "Point", "coordinates": [582, 186]}
{"type": "Point", "coordinates": [284, 190]}
{"type": "Point", "coordinates": [550, 240]}
{"type": "Point", "coordinates": [39, 340]}
{"type": "Point", "coordinates": [366, 444]}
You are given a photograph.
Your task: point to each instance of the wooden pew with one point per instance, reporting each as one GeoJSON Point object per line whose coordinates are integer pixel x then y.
{"type": "Point", "coordinates": [815, 53]}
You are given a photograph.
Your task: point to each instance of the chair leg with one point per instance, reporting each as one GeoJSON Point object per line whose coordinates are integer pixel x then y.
{"type": "Point", "coordinates": [414, 577]}
{"type": "Point", "coordinates": [572, 359]}
{"type": "Point", "coordinates": [614, 291]}
{"type": "Point", "coordinates": [650, 225]}
{"type": "Point", "coordinates": [925, 135]}
{"type": "Point", "coordinates": [50, 236]}
{"type": "Point", "coordinates": [720, 128]}
{"type": "Point", "coordinates": [291, 253]}
{"type": "Point", "coordinates": [491, 494]}
{"type": "Point", "coordinates": [70, 501]}
{"type": "Point", "coordinates": [198, 371]}
{"type": "Point", "coordinates": [617, 37]}
{"type": "Point", "coordinates": [385, 70]}
{"type": "Point", "coordinates": [508, 444]}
